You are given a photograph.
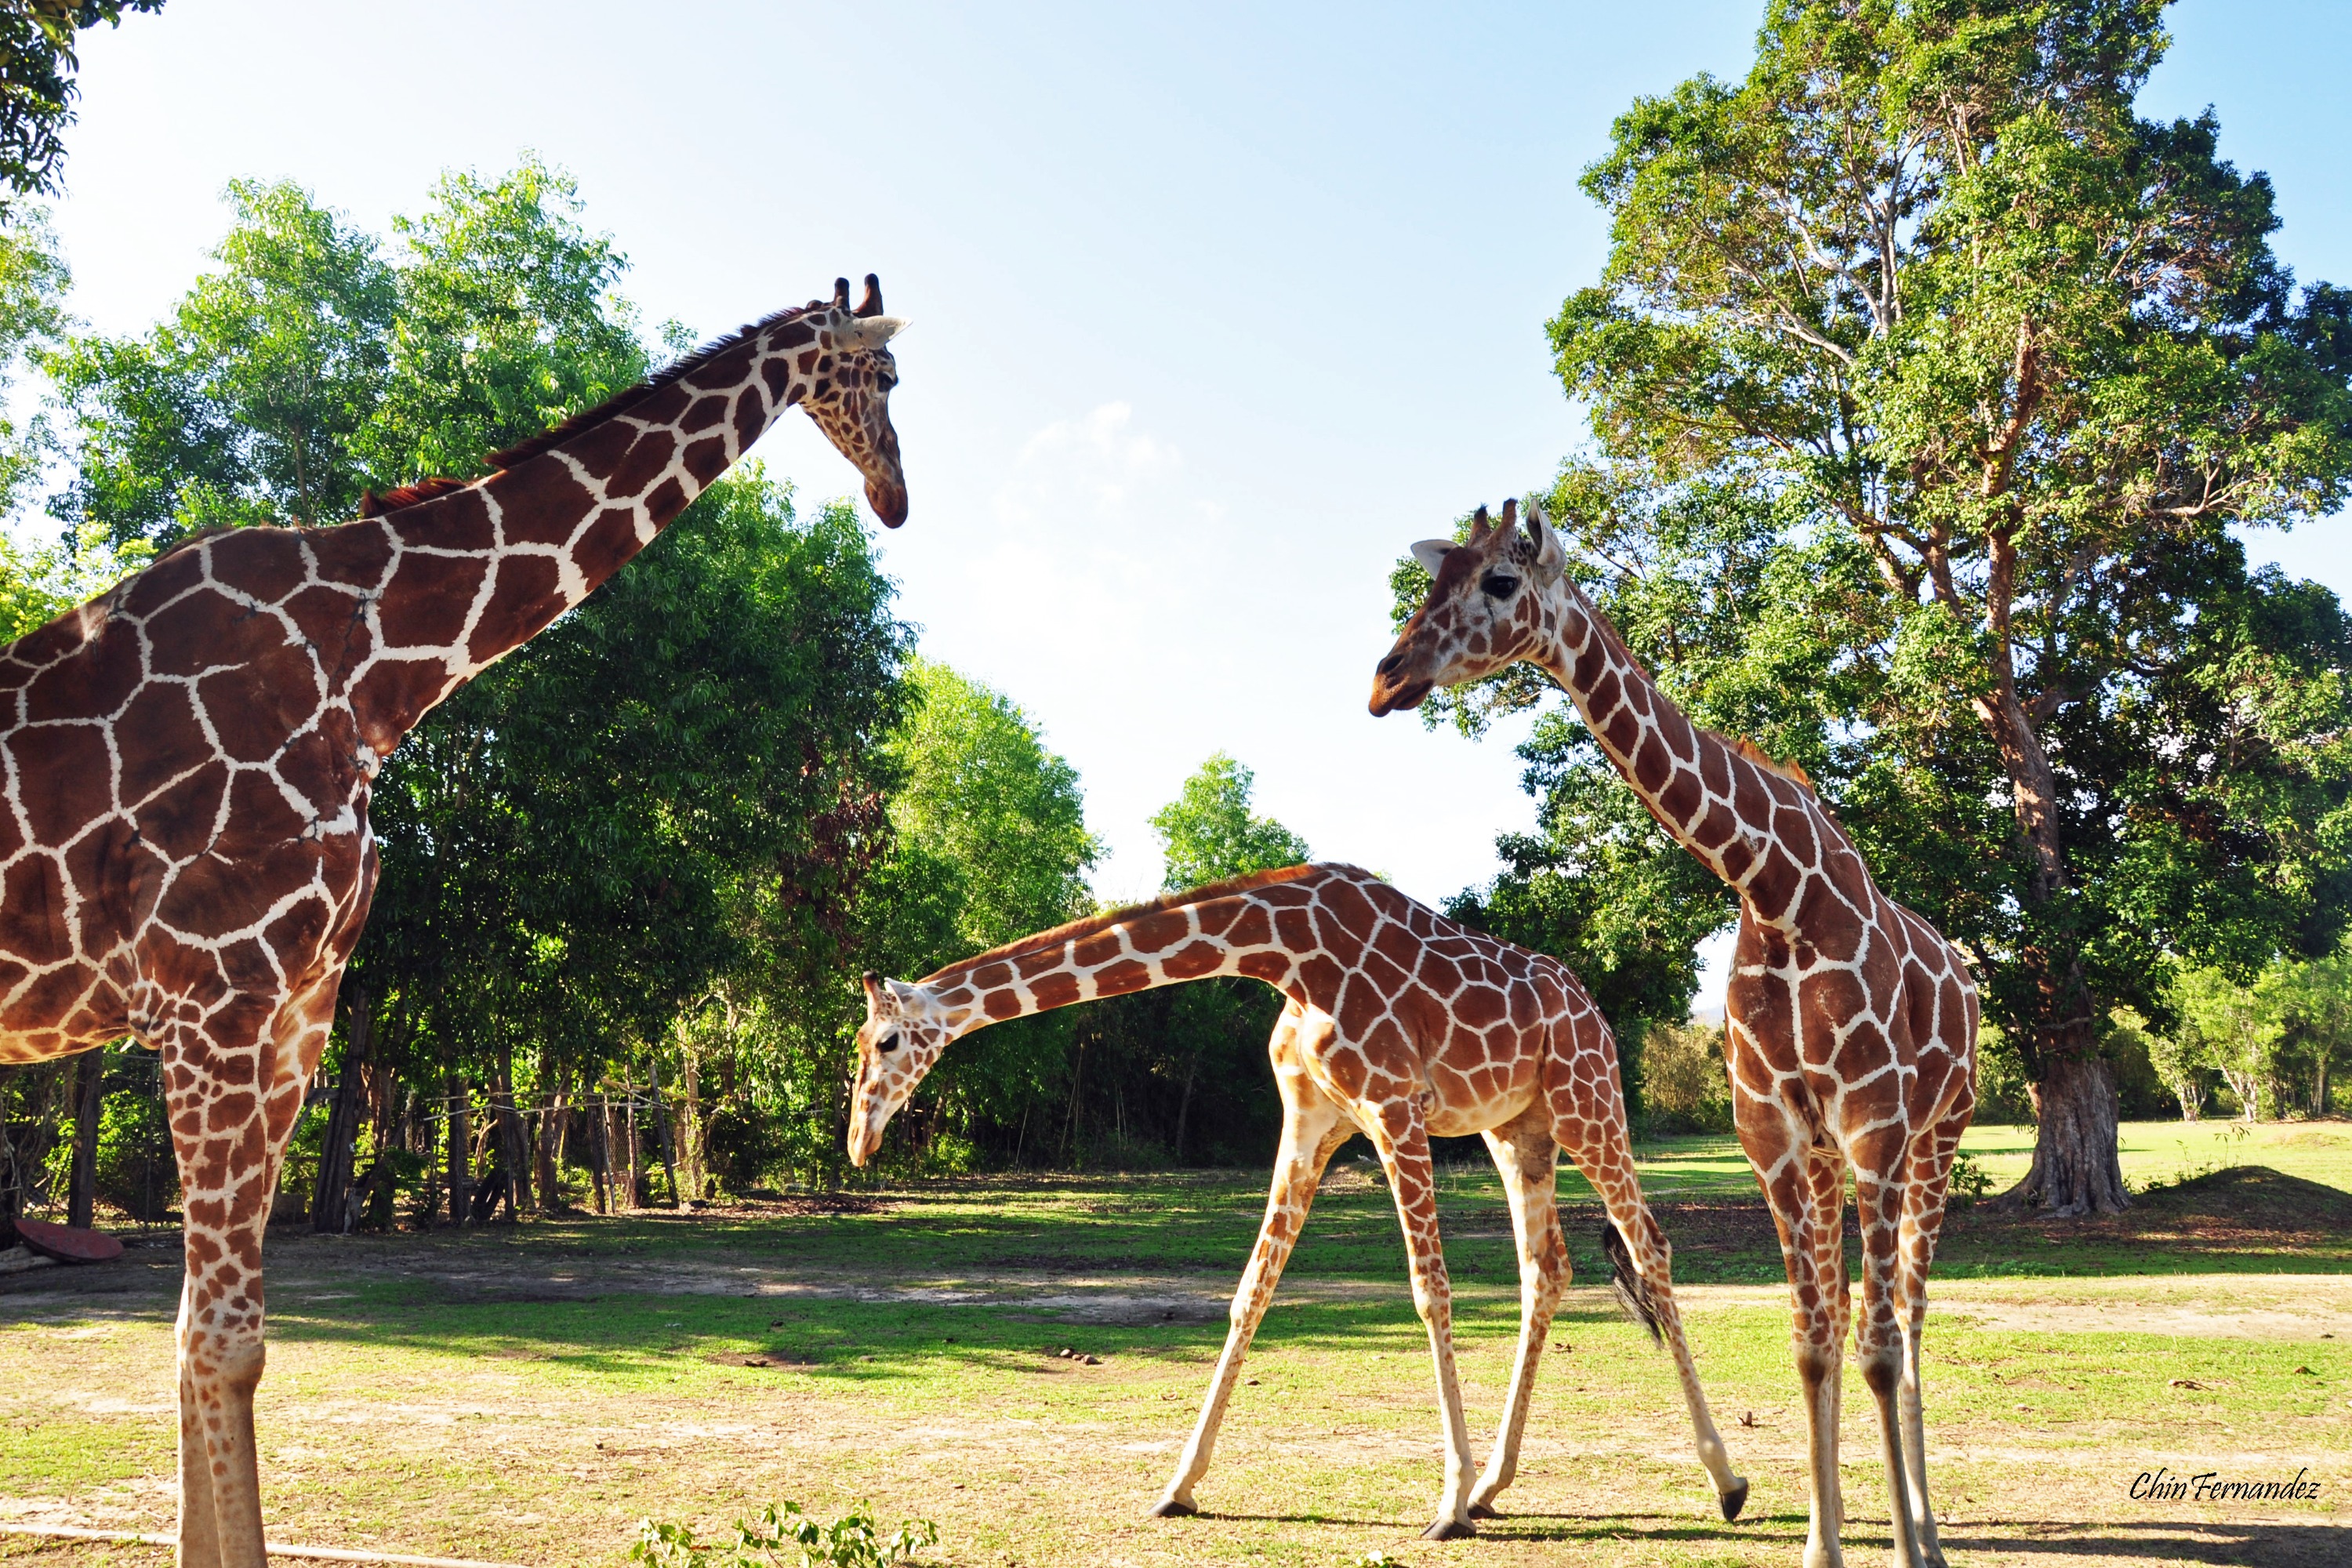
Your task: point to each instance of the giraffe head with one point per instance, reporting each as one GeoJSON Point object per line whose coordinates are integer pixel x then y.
{"type": "Point", "coordinates": [1497, 598]}
{"type": "Point", "coordinates": [904, 1032]}
{"type": "Point", "coordinates": [851, 399]}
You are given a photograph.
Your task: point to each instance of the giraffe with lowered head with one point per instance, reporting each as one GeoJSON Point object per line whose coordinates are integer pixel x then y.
{"type": "Point", "coordinates": [185, 764]}
{"type": "Point", "coordinates": [1851, 1023]}
{"type": "Point", "coordinates": [1401, 1025]}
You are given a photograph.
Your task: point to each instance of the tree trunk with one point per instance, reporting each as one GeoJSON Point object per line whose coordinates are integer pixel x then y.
{"type": "Point", "coordinates": [600, 1151]}
{"type": "Point", "coordinates": [81, 1194]}
{"type": "Point", "coordinates": [461, 1151]}
{"type": "Point", "coordinates": [2076, 1170]}
{"type": "Point", "coordinates": [333, 1209]}
{"type": "Point", "coordinates": [690, 1154]}
{"type": "Point", "coordinates": [629, 1150]}
{"type": "Point", "coordinates": [1184, 1106]}
{"type": "Point", "coordinates": [2077, 1167]}
{"type": "Point", "coordinates": [668, 1129]}
{"type": "Point", "coordinates": [552, 1123]}
{"type": "Point", "coordinates": [2319, 1092]}
{"type": "Point", "coordinates": [513, 1138]}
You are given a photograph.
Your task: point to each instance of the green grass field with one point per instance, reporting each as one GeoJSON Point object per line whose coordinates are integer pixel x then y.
{"type": "Point", "coordinates": [526, 1395]}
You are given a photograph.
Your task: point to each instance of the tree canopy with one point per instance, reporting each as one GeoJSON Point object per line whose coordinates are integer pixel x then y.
{"type": "Point", "coordinates": [39, 57]}
{"type": "Point", "coordinates": [1209, 833]}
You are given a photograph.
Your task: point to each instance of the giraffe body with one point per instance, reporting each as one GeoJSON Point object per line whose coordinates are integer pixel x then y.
{"type": "Point", "coordinates": [185, 773]}
{"type": "Point", "coordinates": [1850, 1022]}
{"type": "Point", "coordinates": [1400, 1024]}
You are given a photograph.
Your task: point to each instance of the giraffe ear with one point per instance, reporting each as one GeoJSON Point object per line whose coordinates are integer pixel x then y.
{"type": "Point", "coordinates": [1551, 556]}
{"type": "Point", "coordinates": [1431, 554]}
{"type": "Point", "coordinates": [869, 331]}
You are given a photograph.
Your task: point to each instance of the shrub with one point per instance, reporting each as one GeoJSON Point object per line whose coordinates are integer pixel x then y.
{"type": "Point", "coordinates": [784, 1535]}
{"type": "Point", "coordinates": [1685, 1084]}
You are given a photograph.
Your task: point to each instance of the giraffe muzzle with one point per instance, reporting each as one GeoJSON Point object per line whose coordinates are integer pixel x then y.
{"type": "Point", "coordinates": [888, 499]}
{"type": "Point", "coordinates": [1392, 694]}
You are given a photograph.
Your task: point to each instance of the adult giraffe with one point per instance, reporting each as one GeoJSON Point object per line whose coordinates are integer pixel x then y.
{"type": "Point", "coordinates": [1851, 1023]}
{"type": "Point", "coordinates": [185, 848]}
{"type": "Point", "coordinates": [1401, 1025]}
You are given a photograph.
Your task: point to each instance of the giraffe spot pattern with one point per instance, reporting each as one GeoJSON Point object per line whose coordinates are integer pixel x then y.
{"type": "Point", "coordinates": [185, 764]}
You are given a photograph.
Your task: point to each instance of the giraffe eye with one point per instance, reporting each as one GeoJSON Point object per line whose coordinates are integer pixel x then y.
{"type": "Point", "coordinates": [888, 1042]}
{"type": "Point", "coordinates": [1499, 585]}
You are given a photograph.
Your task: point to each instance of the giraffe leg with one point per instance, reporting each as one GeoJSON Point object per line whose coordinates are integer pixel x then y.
{"type": "Point", "coordinates": [1878, 1206]}
{"type": "Point", "coordinates": [1827, 1174]}
{"type": "Point", "coordinates": [1804, 1186]}
{"type": "Point", "coordinates": [1312, 1128]}
{"type": "Point", "coordinates": [230, 1124]}
{"type": "Point", "coordinates": [1605, 1155]}
{"type": "Point", "coordinates": [1403, 1142]}
{"type": "Point", "coordinates": [1527, 1157]}
{"type": "Point", "coordinates": [1923, 1217]}
{"type": "Point", "coordinates": [220, 1344]}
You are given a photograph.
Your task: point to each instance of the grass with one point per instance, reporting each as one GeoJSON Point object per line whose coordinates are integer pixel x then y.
{"type": "Point", "coordinates": [528, 1394]}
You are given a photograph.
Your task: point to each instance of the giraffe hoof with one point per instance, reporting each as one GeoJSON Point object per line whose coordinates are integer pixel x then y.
{"type": "Point", "coordinates": [1170, 1508]}
{"type": "Point", "coordinates": [1483, 1510]}
{"type": "Point", "coordinates": [1448, 1529]}
{"type": "Point", "coordinates": [1734, 1501]}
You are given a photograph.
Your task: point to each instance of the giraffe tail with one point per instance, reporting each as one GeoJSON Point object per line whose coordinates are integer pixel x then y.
{"type": "Point", "coordinates": [1633, 1292]}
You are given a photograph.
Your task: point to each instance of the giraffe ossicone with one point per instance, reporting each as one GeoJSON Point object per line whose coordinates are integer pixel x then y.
{"type": "Point", "coordinates": [1400, 1024]}
{"type": "Point", "coordinates": [185, 764]}
{"type": "Point", "coordinates": [1850, 1023]}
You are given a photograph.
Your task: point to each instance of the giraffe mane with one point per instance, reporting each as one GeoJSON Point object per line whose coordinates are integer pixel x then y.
{"type": "Point", "coordinates": [1755, 754]}
{"type": "Point", "coordinates": [373, 504]}
{"type": "Point", "coordinates": [1088, 925]}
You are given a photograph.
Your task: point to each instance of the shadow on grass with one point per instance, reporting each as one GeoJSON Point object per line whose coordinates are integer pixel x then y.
{"type": "Point", "coordinates": [2266, 1545]}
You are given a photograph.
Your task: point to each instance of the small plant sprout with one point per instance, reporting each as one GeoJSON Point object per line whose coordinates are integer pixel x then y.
{"type": "Point", "coordinates": [784, 1537]}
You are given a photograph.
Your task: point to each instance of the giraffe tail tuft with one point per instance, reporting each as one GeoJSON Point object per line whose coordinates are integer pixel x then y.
{"type": "Point", "coordinates": [1633, 1293]}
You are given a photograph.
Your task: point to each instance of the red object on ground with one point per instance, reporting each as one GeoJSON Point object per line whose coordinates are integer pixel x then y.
{"type": "Point", "coordinates": [66, 1244]}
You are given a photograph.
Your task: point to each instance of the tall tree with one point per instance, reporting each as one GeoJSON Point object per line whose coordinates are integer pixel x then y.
{"type": "Point", "coordinates": [1939, 379]}
{"type": "Point", "coordinates": [39, 56]}
{"type": "Point", "coordinates": [253, 401]}
{"type": "Point", "coordinates": [999, 813]}
{"type": "Point", "coordinates": [1208, 832]}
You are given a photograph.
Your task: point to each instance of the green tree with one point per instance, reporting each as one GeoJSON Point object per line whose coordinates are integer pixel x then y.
{"type": "Point", "coordinates": [509, 321]}
{"type": "Point", "coordinates": [252, 402]}
{"type": "Point", "coordinates": [38, 60]}
{"type": "Point", "coordinates": [2235, 1030]}
{"type": "Point", "coordinates": [1208, 832]}
{"type": "Point", "coordinates": [985, 799]}
{"type": "Point", "coordinates": [1928, 382]}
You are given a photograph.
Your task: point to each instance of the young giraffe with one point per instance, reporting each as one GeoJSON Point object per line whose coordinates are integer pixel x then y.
{"type": "Point", "coordinates": [185, 848]}
{"type": "Point", "coordinates": [1401, 1025]}
{"type": "Point", "coordinates": [1851, 1022]}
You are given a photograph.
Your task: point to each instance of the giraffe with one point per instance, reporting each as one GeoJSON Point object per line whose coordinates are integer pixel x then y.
{"type": "Point", "coordinates": [185, 764]}
{"type": "Point", "coordinates": [1399, 1024]}
{"type": "Point", "coordinates": [1851, 1021]}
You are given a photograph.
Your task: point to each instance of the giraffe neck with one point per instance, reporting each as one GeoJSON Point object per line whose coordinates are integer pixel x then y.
{"type": "Point", "coordinates": [1168, 944]}
{"type": "Point", "coordinates": [1749, 823]}
{"type": "Point", "coordinates": [477, 570]}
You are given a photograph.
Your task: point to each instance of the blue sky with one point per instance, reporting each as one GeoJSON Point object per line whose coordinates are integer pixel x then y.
{"type": "Point", "coordinates": [1215, 308]}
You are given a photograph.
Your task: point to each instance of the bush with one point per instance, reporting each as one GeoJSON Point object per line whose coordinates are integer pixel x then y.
{"type": "Point", "coordinates": [1685, 1087]}
{"type": "Point", "coordinates": [784, 1535]}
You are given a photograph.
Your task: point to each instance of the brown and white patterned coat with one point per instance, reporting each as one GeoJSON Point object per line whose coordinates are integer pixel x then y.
{"type": "Point", "coordinates": [185, 762]}
{"type": "Point", "coordinates": [1401, 1025]}
{"type": "Point", "coordinates": [1851, 1027]}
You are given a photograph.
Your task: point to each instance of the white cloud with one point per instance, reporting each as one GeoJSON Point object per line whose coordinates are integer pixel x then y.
{"type": "Point", "coordinates": [1098, 466]}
